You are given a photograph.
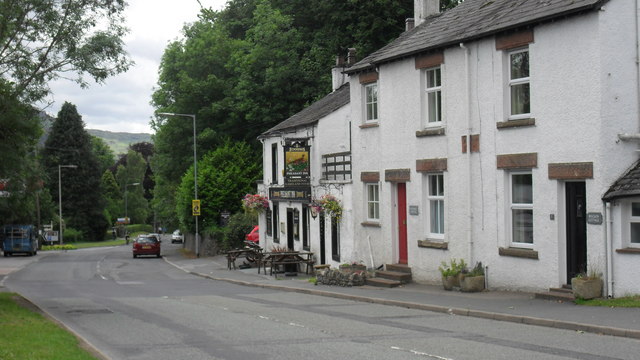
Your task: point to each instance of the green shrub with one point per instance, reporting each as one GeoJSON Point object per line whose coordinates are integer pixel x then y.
{"type": "Point", "coordinates": [240, 224]}
{"type": "Point", "coordinates": [58, 247]}
{"type": "Point", "coordinates": [72, 235]}
{"type": "Point", "coordinates": [454, 267]}
{"type": "Point", "coordinates": [139, 228]}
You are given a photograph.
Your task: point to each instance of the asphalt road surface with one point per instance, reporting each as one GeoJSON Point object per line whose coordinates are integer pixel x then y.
{"type": "Point", "coordinates": [146, 309]}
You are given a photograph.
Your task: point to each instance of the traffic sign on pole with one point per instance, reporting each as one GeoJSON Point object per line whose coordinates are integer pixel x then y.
{"type": "Point", "coordinates": [195, 207]}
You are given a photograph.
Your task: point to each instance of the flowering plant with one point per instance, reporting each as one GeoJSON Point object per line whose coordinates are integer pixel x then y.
{"type": "Point", "coordinates": [254, 203]}
{"type": "Point", "coordinates": [331, 205]}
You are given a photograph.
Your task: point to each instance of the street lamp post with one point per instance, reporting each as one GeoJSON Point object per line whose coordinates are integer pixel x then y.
{"type": "Point", "coordinates": [126, 218]}
{"type": "Point", "coordinates": [60, 197]}
{"type": "Point", "coordinates": [195, 169]}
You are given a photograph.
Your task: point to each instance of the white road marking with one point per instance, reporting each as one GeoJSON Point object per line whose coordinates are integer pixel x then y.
{"type": "Point", "coordinates": [432, 356]}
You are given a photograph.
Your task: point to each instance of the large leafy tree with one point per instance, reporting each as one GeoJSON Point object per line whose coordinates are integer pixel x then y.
{"type": "Point", "coordinates": [103, 153]}
{"type": "Point", "coordinates": [40, 40]}
{"type": "Point", "coordinates": [70, 144]}
{"type": "Point", "coordinates": [225, 175]}
{"type": "Point", "coordinates": [133, 172]}
{"type": "Point", "coordinates": [112, 196]}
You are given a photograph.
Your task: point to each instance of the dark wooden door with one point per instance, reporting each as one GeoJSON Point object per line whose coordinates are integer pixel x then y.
{"type": "Point", "coordinates": [323, 258]}
{"type": "Point", "coordinates": [576, 205]}
{"type": "Point", "coordinates": [402, 223]}
{"type": "Point", "coordinates": [290, 228]}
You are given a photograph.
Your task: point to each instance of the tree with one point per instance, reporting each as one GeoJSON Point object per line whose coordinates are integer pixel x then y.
{"type": "Point", "coordinates": [70, 144]}
{"type": "Point", "coordinates": [112, 196]}
{"type": "Point", "coordinates": [449, 4]}
{"type": "Point", "coordinates": [134, 172]}
{"type": "Point", "coordinates": [40, 40]}
{"type": "Point", "coordinates": [225, 175]}
{"type": "Point", "coordinates": [103, 153]}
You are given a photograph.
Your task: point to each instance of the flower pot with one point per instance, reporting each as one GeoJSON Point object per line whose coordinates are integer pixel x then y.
{"type": "Point", "coordinates": [449, 282]}
{"type": "Point", "coordinates": [472, 283]}
{"type": "Point", "coordinates": [586, 288]}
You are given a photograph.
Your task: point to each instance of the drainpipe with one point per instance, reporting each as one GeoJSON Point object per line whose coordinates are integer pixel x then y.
{"type": "Point", "coordinates": [609, 249]}
{"type": "Point", "coordinates": [468, 140]}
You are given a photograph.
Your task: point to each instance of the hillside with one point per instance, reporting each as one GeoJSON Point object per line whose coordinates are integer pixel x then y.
{"type": "Point", "coordinates": [119, 141]}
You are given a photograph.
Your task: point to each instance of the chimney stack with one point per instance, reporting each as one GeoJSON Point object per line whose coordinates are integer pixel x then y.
{"type": "Point", "coordinates": [351, 57]}
{"type": "Point", "coordinates": [422, 9]}
{"type": "Point", "coordinates": [409, 24]}
{"type": "Point", "coordinates": [337, 77]}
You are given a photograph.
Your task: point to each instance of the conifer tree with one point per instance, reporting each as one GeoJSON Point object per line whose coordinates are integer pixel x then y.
{"type": "Point", "coordinates": [82, 202]}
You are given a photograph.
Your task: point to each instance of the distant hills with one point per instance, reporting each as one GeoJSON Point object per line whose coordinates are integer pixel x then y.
{"type": "Point", "coordinates": [118, 141]}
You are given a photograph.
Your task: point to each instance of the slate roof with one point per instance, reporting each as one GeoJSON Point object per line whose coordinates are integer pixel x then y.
{"type": "Point", "coordinates": [627, 185]}
{"type": "Point", "coordinates": [471, 20]}
{"type": "Point", "coordinates": [314, 112]}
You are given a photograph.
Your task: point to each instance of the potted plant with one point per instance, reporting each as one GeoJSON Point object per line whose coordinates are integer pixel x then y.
{"type": "Point", "coordinates": [450, 273]}
{"type": "Point", "coordinates": [331, 205]}
{"type": "Point", "coordinates": [472, 280]}
{"type": "Point", "coordinates": [254, 203]}
{"type": "Point", "coordinates": [587, 286]}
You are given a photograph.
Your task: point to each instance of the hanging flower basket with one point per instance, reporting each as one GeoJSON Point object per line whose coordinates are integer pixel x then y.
{"type": "Point", "coordinates": [254, 203]}
{"type": "Point", "coordinates": [331, 205]}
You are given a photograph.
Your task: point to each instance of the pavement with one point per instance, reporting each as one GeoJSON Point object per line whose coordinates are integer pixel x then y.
{"type": "Point", "coordinates": [518, 307]}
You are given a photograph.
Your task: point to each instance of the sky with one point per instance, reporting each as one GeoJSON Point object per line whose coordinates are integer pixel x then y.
{"type": "Point", "coordinates": [121, 104]}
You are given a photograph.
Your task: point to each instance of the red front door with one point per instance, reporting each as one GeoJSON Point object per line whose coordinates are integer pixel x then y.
{"type": "Point", "coordinates": [402, 223]}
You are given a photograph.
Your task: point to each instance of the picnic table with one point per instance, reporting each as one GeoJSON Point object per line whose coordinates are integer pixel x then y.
{"type": "Point", "coordinates": [277, 259]}
{"type": "Point", "coordinates": [248, 253]}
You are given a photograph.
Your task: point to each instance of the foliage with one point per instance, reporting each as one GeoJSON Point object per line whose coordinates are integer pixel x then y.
{"type": "Point", "coordinates": [624, 302]}
{"type": "Point", "coordinates": [72, 235]}
{"type": "Point", "coordinates": [70, 144]}
{"type": "Point", "coordinates": [449, 4]}
{"type": "Point", "coordinates": [112, 196]}
{"type": "Point", "coordinates": [120, 142]}
{"type": "Point", "coordinates": [58, 247]}
{"type": "Point", "coordinates": [224, 175]}
{"type": "Point", "coordinates": [139, 228]}
{"type": "Point", "coordinates": [42, 41]}
{"type": "Point", "coordinates": [477, 270]}
{"type": "Point", "coordinates": [239, 225]}
{"type": "Point", "coordinates": [133, 172]}
{"type": "Point", "coordinates": [20, 326]}
{"type": "Point", "coordinates": [453, 268]}
{"type": "Point", "coordinates": [103, 153]}
{"type": "Point", "coordinates": [254, 203]}
{"type": "Point", "coordinates": [331, 205]}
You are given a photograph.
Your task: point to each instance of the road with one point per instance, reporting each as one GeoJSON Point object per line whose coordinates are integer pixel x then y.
{"type": "Point", "coordinates": [146, 309]}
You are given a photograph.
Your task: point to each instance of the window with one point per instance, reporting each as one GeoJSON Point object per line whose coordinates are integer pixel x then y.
{"type": "Point", "coordinates": [275, 216]}
{"type": "Point", "coordinates": [634, 225]}
{"type": "Point", "coordinates": [519, 84]}
{"type": "Point", "coordinates": [373, 202]}
{"type": "Point", "coordinates": [433, 83]}
{"type": "Point", "coordinates": [371, 101]}
{"type": "Point", "coordinates": [435, 198]}
{"type": "Point", "coordinates": [521, 208]}
{"type": "Point", "coordinates": [274, 163]}
{"type": "Point", "coordinates": [268, 217]}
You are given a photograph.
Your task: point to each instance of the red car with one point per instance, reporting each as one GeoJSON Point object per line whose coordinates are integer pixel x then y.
{"type": "Point", "coordinates": [254, 235]}
{"type": "Point", "coordinates": [146, 245]}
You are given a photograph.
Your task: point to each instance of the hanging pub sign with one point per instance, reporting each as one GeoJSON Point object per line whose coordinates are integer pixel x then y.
{"type": "Point", "coordinates": [296, 164]}
{"type": "Point", "coordinates": [286, 193]}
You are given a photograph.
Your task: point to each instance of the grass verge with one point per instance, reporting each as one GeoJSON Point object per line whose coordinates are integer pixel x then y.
{"type": "Point", "coordinates": [27, 334]}
{"type": "Point", "coordinates": [625, 302]}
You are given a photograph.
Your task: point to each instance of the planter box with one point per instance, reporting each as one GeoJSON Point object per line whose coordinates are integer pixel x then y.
{"type": "Point", "coordinates": [586, 288]}
{"type": "Point", "coordinates": [472, 283]}
{"type": "Point", "coordinates": [449, 282]}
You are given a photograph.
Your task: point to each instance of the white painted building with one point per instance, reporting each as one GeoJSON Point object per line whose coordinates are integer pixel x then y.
{"type": "Point", "coordinates": [490, 132]}
{"type": "Point", "coordinates": [321, 132]}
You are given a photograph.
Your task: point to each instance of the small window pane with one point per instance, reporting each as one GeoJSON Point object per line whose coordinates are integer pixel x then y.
{"type": "Point", "coordinates": [435, 185]}
{"type": "Point", "coordinates": [520, 100]}
{"type": "Point", "coordinates": [433, 78]}
{"type": "Point", "coordinates": [437, 216]}
{"type": "Point", "coordinates": [434, 106]}
{"type": "Point", "coordinates": [635, 209]}
{"type": "Point", "coordinates": [520, 65]}
{"type": "Point", "coordinates": [522, 225]}
{"type": "Point", "coordinates": [522, 192]}
{"type": "Point", "coordinates": [635, 233]}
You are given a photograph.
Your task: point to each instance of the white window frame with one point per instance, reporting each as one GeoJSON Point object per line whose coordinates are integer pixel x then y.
{"type": "Point", "coordinates": [369, 117]}
{"type": "Point", "coordinates": [431, 197]}
{"type": "Point", "coordinates": [372, 202]}
{"type": "Point", "coordinates": [517, 82]}
{"type": "Point", "coordinates": [519, 206]}
{"type": "Point", "coordinates": [429, 122]}
{"type": "Point", "coordinates": [629, 219]}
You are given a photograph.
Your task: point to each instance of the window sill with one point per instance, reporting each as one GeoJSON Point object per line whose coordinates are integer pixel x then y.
{"type": "Point", "coordinates": [520, 253]}
{"type": "Point", "coordinates": [441, 245]}
{"type": "Point", "coordinates": [436, 131]}
{"type": "Point", "coordinates": [628, 251]}
{"type": "Point", "coordinates": [370, 224]}
{"type": "Point", "coordinates": [369, 125]}
{"type": "Point", "coordinates": [516, 123]}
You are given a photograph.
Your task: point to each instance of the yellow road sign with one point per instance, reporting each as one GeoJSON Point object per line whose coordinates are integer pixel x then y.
{"type": "Point", "coordinates": [195, 207]}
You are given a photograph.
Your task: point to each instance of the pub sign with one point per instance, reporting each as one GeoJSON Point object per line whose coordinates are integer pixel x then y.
{"type": "Point", "coordinates": [296, 164]}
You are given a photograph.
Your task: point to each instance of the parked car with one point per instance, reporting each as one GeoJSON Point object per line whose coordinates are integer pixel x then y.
{"type": "Point", "coordinates": [146, 245]}
{"type": "Point", "coordinates": [254, 235]}
{"type": "Point", "coordinates": [177, 237]}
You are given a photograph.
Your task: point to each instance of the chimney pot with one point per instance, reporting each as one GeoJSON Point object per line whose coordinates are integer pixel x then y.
{"type": "Point", "coordinates": [351, 57]}
{"type": "Point", "coordinates": [409, 23]}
